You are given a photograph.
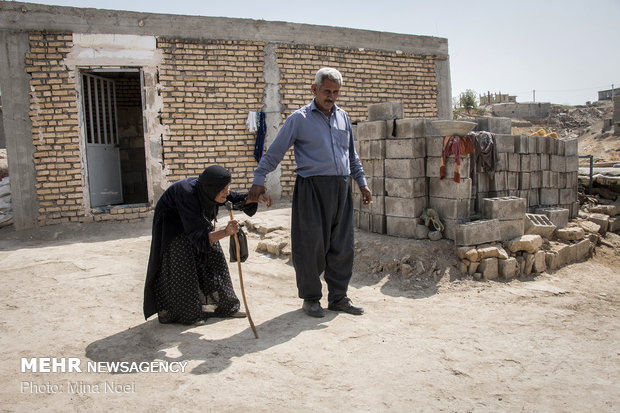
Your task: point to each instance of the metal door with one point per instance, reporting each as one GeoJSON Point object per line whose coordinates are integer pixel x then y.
{"type": "Point", "coordinates": [102, 146]}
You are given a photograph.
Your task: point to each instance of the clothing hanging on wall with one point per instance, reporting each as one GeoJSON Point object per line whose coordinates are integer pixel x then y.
{"type": "Point", "coordinates": [261, 130]}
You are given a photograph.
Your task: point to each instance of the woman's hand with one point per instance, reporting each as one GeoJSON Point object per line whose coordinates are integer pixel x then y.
{"type": "Point", "coordinates": [232, 227]}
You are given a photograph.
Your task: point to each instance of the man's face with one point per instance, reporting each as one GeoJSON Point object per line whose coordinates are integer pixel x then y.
{"type": "Point", "coordinates": [326, 95]}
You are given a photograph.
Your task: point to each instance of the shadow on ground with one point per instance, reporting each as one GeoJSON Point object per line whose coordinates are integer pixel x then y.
{"type": "Point", "coordinates": [169, 342]}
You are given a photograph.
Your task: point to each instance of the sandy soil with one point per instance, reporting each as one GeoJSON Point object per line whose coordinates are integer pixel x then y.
{"type": "Point", "coordinates": [431, 342]}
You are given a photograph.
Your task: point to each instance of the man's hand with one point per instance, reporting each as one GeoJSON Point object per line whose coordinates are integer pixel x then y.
{"type": "Point", "coordinates": [255, 195]}
{"type": "Point", "coordinates": [366, 195]}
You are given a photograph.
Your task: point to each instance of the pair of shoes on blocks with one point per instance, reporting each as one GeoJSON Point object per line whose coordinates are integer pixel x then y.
{"type": "Point", "coordinates": [313, 307]}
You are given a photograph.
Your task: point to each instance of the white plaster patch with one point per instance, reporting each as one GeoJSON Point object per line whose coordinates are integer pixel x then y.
{"type": "Point", "coordinates": [113, 50]}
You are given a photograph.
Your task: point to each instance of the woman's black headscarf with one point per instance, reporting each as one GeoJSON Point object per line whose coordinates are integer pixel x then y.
{"type": "Point", "coordinates": [210, 183]}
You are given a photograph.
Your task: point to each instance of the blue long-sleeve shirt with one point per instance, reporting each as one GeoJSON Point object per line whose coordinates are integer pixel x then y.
{"type": "Point", "coordinates": [322, 146]}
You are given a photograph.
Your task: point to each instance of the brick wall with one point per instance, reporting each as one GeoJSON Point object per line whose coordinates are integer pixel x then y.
{"type": "Point", "coordinates": [54, 116]}
{"type": "Point", "coordinates": [208, 89]}
{"type": "Point", "coordinates": [368, 77]}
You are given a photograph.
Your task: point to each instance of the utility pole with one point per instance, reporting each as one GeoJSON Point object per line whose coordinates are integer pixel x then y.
{"type": "Point", "coordinates": [534, 95]}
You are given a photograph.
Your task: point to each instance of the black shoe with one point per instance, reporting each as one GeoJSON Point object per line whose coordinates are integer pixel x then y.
{"type": "Point", "coordinates": [346, 306]}
{"type": "Point", "coordinates": [313, 308]}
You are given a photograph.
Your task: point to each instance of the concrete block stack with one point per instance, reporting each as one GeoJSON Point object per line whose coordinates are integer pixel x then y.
{"type": "Point", "coordinates": [370, 144]}
{"type": "Point", "coordinates": [510, 212]}
{"type": "Point", "coordinates": [451, 200]}
{"type": "Point", "coordinates": [540, 169]}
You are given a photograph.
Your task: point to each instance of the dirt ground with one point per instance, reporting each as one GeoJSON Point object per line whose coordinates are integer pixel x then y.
{"type": "Point", "coordinates": [433, 342]}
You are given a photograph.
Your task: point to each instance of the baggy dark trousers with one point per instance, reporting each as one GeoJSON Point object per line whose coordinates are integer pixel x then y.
{"type": "Point", "coordinates": [322, 235]}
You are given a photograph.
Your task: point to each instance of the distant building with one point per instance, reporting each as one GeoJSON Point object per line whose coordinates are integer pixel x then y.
{"type": "Point", "coordinates": [497, 98]}
{"type": "Point", "coordinates": [607, 94]}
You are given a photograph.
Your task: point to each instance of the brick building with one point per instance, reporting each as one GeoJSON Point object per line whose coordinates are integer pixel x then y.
{"type": "Point", "coordinates": [98, 98]}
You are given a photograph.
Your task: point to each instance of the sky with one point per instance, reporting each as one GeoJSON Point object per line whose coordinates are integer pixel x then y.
{"type": "Point", "coordinates": [562, 52]}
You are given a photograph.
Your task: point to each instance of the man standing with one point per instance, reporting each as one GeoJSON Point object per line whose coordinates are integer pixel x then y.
{"type": "Point", "coordinates": [322, 211]}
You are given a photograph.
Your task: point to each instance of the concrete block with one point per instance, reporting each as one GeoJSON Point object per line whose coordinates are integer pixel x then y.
{"type": "Point", "coordinates": [527, 243]}
{"type": "Point", "coordinates": [404, 207]}
{"type": "Point", "coordinates": [405, 148]}
{"type": "Point", "coordinates": [376, 185]}
{"type": "Point", "coordinates": [488, 268]}
{"type": "Point", "coordinates": [477, 232]}
{"type": "Point", "coordinates": [571, 147]}
{"type": "Point", "coordinates": [510, 229]}
{"type": "Point", "coordinates": [502, 162]}
{"type": "Point", "coordinates": [572, 163]}
{"type": "Point", "coordinates": [447, 188]}
{"type": "Point", "coordinates": [539, 224]}
{"type": "Point", "coordinates": [528, 263]}
{"type": "Point", "coordinates": [541, 146]}
{"type": "Point", "coordinates": [540, 264]}
{"type": "Point", "coordinates": [451, 226]}
{"type": "Point", "coordinates": [545, 164]}
{"type": "Point", "coordinates": [551, 259]}
{"type": "Point", "coordinates": [549, 179]}
{"type": "Point", "coordinates": [558, 163]}
{"type": "Point", "coordinates": [507, 268]}
{"type": "Point", "coordinates": [568, 196]}
{"type": "Point", "coordinates": [581, 250]}
{"type": "Point", "coordinates": [524, 180]}
{"type": "Point", "coordinates": [572, 179]}
{"type": "Point", "coordinates": [532, 198]}
{"type": "Point", "coordinates": [495, 125]}
{"type": "Point", "coordinates": [450, 208]}
{"type": "Point", "coordinates": [433, 167]}
{"type": "Point", "coordinates": [549, 196]}
{"type": "Point", "coordinates": [525, 163]}
{"type": "Point", "coordinates": [385, 111]}
{"type": "Point", "coordinates": [614, 224]}
{"type": "Point", "coordinates": [600, 219]}
{"type": "Point", "coordinates": [535, 179]}
{"type": "Point", "coordinates": [505, 208]}
{"type": "Point", "coordinates": [401, 226]}
{"type": "Point", "coordinates": [532, 144]}
{"type": "Point", "coordinates": [371, 130]}
{"type": "Point", "coordinates": [571, 233]}
{"type": "Point", "coordinates": [405, 168]}
{"type": "Point", "coordinates": [498, 181]}
{"type": "Point", "coordinates": [364, 221]}
{"type": "Point", "coordinates": [406, 188]}
{"type": "Point", "coordinates": [378, 224]}
{"type": "Point", "coordinates": [374, 167]}
{"type": "Point", "coordinates": [514, 162]}
{"type": "Point", "coordinates": [552, 146]}
{"type": "Point", "coordinates": [434, 145]}
{"type": "Point", "coordinates": [534, 162]}
{"type": "Point", "coordinates": [512, 181]}
{"type": "Point", "coordinates": [505, 143]}
{"type": "Point", "coordinates": [521, 144]}
{"type": "Point", "coordinates": [377, 206]}
{"type": "Point", "coordinates": [560, 147]}
{"type": "Point", "coordinates": [411, 128]}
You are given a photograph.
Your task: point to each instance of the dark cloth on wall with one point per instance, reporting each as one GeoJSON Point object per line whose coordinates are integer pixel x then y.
{"type": "Point", "coordinates": [260, 136]}
{"type": "Point", "coordinates": [322, 235]}
{"type": "Point", "coordinates": [184, 210]}
{"type": "Point", "coordinates": [485, 150]}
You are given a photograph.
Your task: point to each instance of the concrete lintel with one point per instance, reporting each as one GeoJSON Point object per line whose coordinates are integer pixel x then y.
{"type": "Point", "coordinates": [29, 16]}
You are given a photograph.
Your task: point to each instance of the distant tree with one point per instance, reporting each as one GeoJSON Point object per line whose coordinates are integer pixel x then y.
{"type": "Point", "coordinates": [468, 100]}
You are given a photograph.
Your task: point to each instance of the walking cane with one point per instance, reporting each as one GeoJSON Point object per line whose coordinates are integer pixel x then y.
{"type": "Point", "coordinates": [245, 303]}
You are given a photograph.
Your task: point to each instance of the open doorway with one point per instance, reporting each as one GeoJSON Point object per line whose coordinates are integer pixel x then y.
{"type": "Point", "coordinates": [113, 123]}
